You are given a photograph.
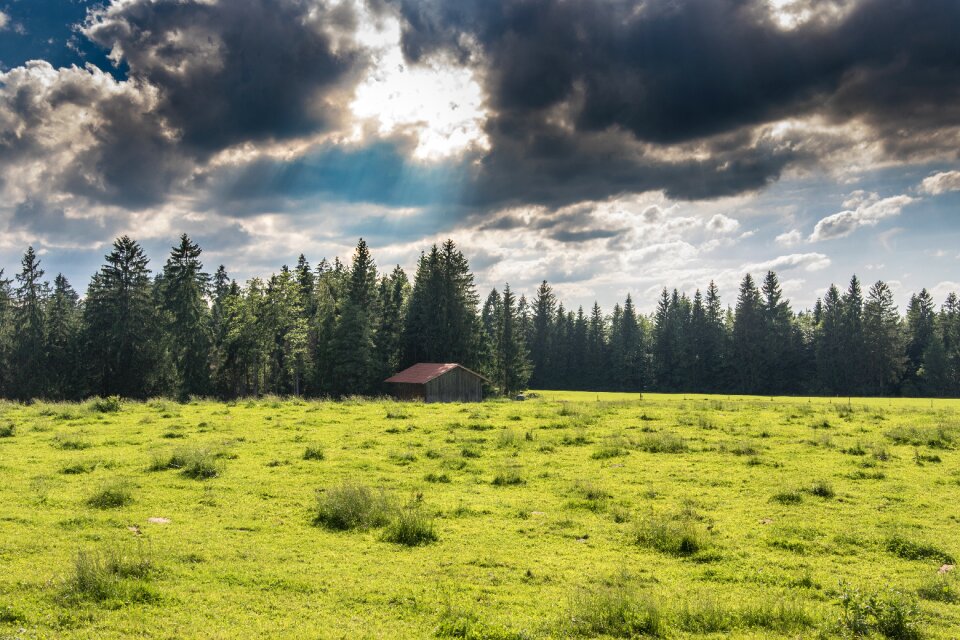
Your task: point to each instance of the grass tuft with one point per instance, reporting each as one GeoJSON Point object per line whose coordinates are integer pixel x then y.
{"type": "Point", "coordinates": [111, 495]}
{"type": "Point", "coordinates": [617, 611]}
{"type": "Point", "coordinates": [890, 614]}
{"type": "Point", "coordinates": [662, 443]}
{"type": "Point", "coordinates": [198, 463]}
{"type": "Point", "coordinates": [679, 535]}
{"type": "Point", "coordinates": [352, 506]}
{"type": "Point", "coordinates": [314, 452]}
{"type": "Point", "coordinates": [900, 545]}
{"type": "Point", "coordinates": [112, 404]}
{"type": "Point", "coordinates": [110, 577]}
{"type": "Point", "coordinates": [411, 526]}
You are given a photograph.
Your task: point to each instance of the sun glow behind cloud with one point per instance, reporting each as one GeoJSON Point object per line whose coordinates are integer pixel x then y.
{"type": "Point", "coordinates": [438, 102]}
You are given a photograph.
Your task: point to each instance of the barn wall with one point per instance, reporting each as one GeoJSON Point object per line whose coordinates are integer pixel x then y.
{"type": "Point", "coordinates": [456, 385]}
{"type": "Point", "coordinates": [404, 391]}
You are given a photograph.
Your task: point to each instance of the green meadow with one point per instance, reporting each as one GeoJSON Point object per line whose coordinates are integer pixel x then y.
{"type": "Point", "coordinates": [567, 515]}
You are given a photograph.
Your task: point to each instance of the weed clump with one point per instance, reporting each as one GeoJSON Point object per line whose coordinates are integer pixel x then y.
{"type": "Point", "coordinates": [508, 476]}
{"type": "Point", "coordinates": [662, 443]}
{"type": "Point", "coordinates": [890, 613]}
{"type": "Point", "coordinates": [112, 577]}
{"type": "Point", "coordinates": [939, 589]}
{"type": "Point", "coordinates": [790, 496]}
{"type": "Point", "coordinates": [411, 526]}
{"type": "Point", "coordinates": [822, 489]}
{"type": "Point", "coordinates": [70, 443]}
{"type": "Point", "coordinates": [314, 452]}
{"type": "Point", "coordinates": [679, 535]}
{"type": "Point", "coordinates": [909, 549]}
{"type": "Point", "coordinates": [456, 622]}
{"type": "Point", "coordinates": [709, 616]}
{"type": "Point", "coordinates": [352, 506]}
{"type": "Point", "coordinates": [111, 495]}
{"type": "Point", "coordinates": [111, 404]}
{"type": "Point", "coordinates": [7, 430]}
{"type": "Point", "coordinates": [618, 611]}
{"type": "Point", "coordinates": [193, 462]}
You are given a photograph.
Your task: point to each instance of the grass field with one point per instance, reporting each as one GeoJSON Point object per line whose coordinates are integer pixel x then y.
{"type": "Point", "coordinates": [570, 514]}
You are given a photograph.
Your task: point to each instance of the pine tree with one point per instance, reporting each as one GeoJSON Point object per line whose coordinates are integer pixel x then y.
{"type": "Point", "coordinates": [354, 366]}
{"type": "Point", "coordinates": [393, 293]}
{"type": "Point", "coordinates": [596, 357]}
{"type": "Point", "coordinates": [6, 337]}
{"type": "Point", "coordinates": [441, 323]}
{"type": "Point", "coordinates": [748, 337]}
{"type": "Point", "coordinates": [713, 340]}
{"type": "Point", "coordinates": [122, 336]}
{"type": "Point", "coordinates": [852, 338]}
{"type": "Point", "coordinates": [512, 360]}
{"type": "Point", "coordinates": [829, 342]}
{"type": "Point", "coordinates": [779, 363]}
{"type": "Point", "coordinates": [183, 292]}
{"type": "Point", "coordinates": [29, 330]}
{"type": "Point", "coordinates": [920, 328]}
{"type": "Point", "coordinates": [883, 358]}
{"type": "Point", "coordinates": [65, 377]}
{"type": "Point", "coordinates": [542, 339]}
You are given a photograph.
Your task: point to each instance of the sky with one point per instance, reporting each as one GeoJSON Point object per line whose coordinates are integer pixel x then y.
{"type": "Point", "coordinates": [612, 147]}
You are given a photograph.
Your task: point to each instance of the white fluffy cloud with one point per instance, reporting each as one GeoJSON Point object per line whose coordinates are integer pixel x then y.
{"type": "Point", "coordinates": [869, 211]}
{"type": "Point", "coordinates": [805, 261]}
{"type": "Point", "coordinates": [789, 238]}
{"type": "Point", "coordinates": [4, 20]}
{"type": "Point", "coordinates": [720, 223]}
{"type": "Point", "coordinates": [941, 183]}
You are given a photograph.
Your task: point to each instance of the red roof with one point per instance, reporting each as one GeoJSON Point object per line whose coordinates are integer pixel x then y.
{"type": "Point", "coordinates": [424, 372]}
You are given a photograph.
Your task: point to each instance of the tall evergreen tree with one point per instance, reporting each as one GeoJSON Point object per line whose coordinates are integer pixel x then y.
{"type": "Point", "coordinates": [512, 368]}
{"type": "Point", "coordinates": [122, 338]}
{"type": "Point", "coordinates": [748, 333]}
{"type": "Point", "coordinates": [6, 336]}
{"type": "Point", "coordinates": [354, 365]}
{"type": "Point", "coordinates": [183, 291]}
{"type": "Point", "coordinates": [829, 342]}
{"type": "Point", "coordinates": [65, 377]}
{"type": "Point", "coordinates": [920, 323]}
{"type": "Point", "coordinates": [542, 339]}
{"type": "Point", "coordinates": [852, 338]}
{"type": "Point", "coordinates": [883, 358]}
{"type": "Point", "coordinates": [779, 362]}
{"type": "Point", "coordinates": [393, 293]}
{"type": "Point", "coordinates": [29, 330]}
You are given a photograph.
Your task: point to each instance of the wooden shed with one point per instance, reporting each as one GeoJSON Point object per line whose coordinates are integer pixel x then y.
{"type": "Point", "coordinates": [438, 382]}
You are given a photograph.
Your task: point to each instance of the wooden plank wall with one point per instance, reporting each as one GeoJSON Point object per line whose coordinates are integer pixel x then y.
{"type": "Point", "coordinates": [457, 385]}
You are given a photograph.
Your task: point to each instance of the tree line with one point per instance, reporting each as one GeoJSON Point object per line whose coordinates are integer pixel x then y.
{"type": "Point", "coordinates": [336, 329]}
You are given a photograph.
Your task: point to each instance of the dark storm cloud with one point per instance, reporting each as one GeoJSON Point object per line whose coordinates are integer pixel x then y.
{"type": "Point", "coordinates": [200, 78]}
{"type": "Point", "coordinates": [684, 71]}
{"type": "Point", "coordinates": [236, 71]}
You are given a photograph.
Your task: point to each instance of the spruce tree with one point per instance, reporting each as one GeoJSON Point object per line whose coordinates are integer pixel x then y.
{"type": "Point", "coordinates": [64, 354]}
{"type": "Point", "coordinates": [542, 347]}
{"type": "Point", "coordinates": [748, 333]}
{"type": "Point", "coordinates": [354, 366]}
{"type": "Point", "coordinates": [29, 330]}
{"type": "Point", "coordinates": [183, 292]}
{"type": "Point", "coordinates": [829, 343]}
{"type": "Point", "coordinates": [122, 334]}
{"type": "Point", "coordinates": [883, 356]}
{"type": "Point", "coordinates": [779, 363]}
{"type": "Point", "coordinates": [512, 360]}
{"type": "Point", "coordinates": [393, 292]}
{"type": "Point", "coordinates": [6, 336]}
